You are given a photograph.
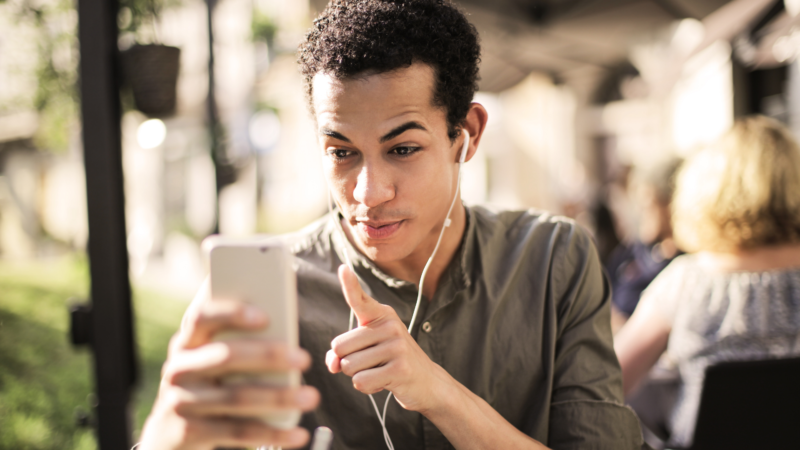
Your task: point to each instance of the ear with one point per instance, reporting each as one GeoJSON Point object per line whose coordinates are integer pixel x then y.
{"type": "Point", "coordinates": [475, 124]}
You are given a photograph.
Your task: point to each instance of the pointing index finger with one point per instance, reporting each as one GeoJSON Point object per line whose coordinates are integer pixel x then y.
{"type": "Point", "coordinates": [365, 307]}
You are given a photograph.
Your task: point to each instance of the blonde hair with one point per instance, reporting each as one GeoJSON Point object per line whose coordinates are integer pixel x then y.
{"type": "Point", "coordinates": [741, 192]}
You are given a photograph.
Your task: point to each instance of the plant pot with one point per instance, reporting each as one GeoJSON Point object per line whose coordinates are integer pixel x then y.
{"type": "Point", "coordinates": [152, 73]}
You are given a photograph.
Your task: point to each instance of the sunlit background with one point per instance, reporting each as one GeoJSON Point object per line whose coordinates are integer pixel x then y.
{"type": "Point", "coordinates": [580, 94]}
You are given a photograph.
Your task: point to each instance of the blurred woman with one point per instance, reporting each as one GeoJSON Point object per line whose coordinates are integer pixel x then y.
{"type": "Point", "coordinates": [634, 264]}
{"type": "Point", "coordinates": [737, 296]}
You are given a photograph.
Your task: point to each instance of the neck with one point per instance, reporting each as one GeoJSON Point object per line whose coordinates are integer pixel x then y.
{"type": "Point", "coordinates": [754, 260]}
{"type": "Point", "coordinates": [411, 267]}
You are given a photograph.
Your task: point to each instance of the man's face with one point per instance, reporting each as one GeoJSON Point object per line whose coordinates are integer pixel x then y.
{"type": "Point", "coordinates": [387, 158]}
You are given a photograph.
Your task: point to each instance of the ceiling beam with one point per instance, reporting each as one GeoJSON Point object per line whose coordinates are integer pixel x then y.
{"type": "Point", "coordinates": [676, 11]}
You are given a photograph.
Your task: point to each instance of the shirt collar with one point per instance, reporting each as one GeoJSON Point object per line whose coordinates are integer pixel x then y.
{"type": "Point", "coordinates": [464, 254]}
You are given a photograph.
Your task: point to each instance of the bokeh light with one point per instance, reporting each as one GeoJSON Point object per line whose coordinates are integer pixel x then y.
{"type": "Point", "coordinates": [151, 133]}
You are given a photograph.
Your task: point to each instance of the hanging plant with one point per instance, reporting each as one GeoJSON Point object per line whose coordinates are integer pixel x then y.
{"type": "Point", "coordinates": [151, 71]}
{"type": "Point", "coordinates": [150, 68]}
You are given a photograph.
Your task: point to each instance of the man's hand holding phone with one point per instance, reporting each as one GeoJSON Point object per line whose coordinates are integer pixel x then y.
{"type": "Point", "coordinates": [195, 410]}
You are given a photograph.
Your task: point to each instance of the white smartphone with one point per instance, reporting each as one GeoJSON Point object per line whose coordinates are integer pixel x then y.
{"type": "Point", "coordinates": [258, 271]}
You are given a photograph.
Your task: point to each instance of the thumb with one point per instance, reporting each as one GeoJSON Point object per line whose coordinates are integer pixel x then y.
{"type": "Point", "coordinates": [365, 307]}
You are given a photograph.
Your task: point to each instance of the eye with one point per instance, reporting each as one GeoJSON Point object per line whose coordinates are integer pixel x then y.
{"type": "Point", "coordinates": [405, 151]}
{"type": "Point", "coordinates": [339, 154]}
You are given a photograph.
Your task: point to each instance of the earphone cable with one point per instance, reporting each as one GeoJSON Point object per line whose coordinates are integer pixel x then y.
{"type": "Point", "coordinates": [441, 234]}
{"type": "Point", "coordinates": [447, 222]}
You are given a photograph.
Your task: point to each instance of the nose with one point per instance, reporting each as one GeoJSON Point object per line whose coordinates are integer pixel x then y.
{"type": "Point", "coordinates": [373, 186]}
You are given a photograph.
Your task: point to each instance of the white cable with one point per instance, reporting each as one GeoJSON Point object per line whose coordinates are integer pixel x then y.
{"type": "Point", "coordinates": [323, 437]}
{"type": "Point", "coordinates": [447, 222]}
{"type": "Point", "coordinates": [441, 233]}
{"type": "Point", "coordinates": [351, 324]}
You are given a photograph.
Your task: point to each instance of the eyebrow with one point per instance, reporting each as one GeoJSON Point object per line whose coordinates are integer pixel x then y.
{"type": "Point", "coordinates": [388, 136]}
{"type": "Point", "coordinates": [402, 129]}
{"type": "Point", "coordinates": [334, 134]}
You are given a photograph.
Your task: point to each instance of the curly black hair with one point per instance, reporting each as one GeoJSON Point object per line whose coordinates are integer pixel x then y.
{"type": "Point", "coordinates": [351, 37]}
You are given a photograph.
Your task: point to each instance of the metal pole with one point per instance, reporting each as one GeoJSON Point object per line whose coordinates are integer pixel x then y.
{"type": "Point", "coordinates": [225, 172]}
{"type": "Point", "coordinates": [212, 117]}
{"type": "Point", "coordinates": [111, 320]}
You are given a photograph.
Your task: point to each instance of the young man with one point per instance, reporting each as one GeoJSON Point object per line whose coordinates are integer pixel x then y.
{"type": "Point", "coordinates": [512, 346]}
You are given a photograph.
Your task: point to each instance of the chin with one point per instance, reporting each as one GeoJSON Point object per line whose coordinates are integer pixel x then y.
{"type": "Point", "coordinates": [385, 252]}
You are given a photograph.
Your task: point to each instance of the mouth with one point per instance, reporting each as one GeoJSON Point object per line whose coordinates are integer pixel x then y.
{"type": "Point", "coordinates": [378, 230]}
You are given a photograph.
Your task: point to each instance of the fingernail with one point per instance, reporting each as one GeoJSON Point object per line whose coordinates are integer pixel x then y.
{"type": "Point", "coordinates": [254, 316]}
{"type": "Point", "coordinates": [329, 357]}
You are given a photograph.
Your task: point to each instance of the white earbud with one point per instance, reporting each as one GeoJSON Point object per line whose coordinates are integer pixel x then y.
{"type": "Point", "coordinates": [464, 147]}
{"type": "Point", "coordinates": [461, 160]}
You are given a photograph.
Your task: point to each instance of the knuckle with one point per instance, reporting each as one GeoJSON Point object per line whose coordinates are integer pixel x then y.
{"type": "Point", "coordinates": [281, 399]}
{"type": "Point", "coordinates": [170, 399]}
{"type": "Point", "coordinates": [225, 352]}
{"type": "Point", "coordinates": [244, 431]}
{"type": "Point", "coordinates": [395, 347]}
{"type": "Point", "coordinates": [238, 312]}
{"type": "Point", "coordinates": [237, 396]}
{"type": "Point", "coordinates": [401, 368]}
{"type": "Point", "coordinates": [361, 383]}
{"type": "Point", "coordinates": [397, 328]}
{"type": "Point", "coordinates": [226, 312]}
{"type": "Point", "coordinates": [336, 346]}
{"type": "Point", "coordinates": [347, 367]}
{"type": "Point", "coordinates": [239, 430]}
{"type": "Point", "coordinates": [171, 374]}
{"type": "Point", "coordinates": [273, 354]}
{"type": "Point", "coordinates": [181, 406]}
{"type": "Point", "coordinates": [196, 321]}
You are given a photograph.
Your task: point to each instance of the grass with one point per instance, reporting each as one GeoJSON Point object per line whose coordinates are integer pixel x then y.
{"type": "Point", "coordinates": [43, 379]}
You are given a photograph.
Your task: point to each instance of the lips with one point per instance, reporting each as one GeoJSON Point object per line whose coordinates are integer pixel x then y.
{"type": "Point", "coordinates": [375, 230]}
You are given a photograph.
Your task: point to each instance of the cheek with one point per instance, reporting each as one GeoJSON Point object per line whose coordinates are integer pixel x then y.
{"type": "Point", "coordinates": [337, 180]}
{"type": "Point", "coordinates": [429, 189]}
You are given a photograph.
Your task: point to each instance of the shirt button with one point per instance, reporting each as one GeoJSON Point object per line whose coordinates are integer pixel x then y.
{"type": "Point", "coordinates": [426, 327]}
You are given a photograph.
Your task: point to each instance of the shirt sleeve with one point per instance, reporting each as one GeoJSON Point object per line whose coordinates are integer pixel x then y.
{"type": "Point", "coordinates": [587, 411]}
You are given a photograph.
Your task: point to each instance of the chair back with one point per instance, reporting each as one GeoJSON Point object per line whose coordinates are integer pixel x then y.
{"type": "Point", "coordinates": [750, 405]}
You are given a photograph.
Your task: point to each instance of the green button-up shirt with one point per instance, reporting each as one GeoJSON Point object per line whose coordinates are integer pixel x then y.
{"type": "Point", "coordinates": [520, 317]}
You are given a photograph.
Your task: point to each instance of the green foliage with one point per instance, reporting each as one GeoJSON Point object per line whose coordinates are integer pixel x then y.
{"type": "Point", "coordinates": [263, 28]}
{"type": "Point", "coordinates": [56, 97]}
{"type": "Point", "coordinates": [158, 317]}
{"type": "Point", "coordinates": [136, 16]}
{"type": "Point", "coordinates": [43, 378]}
{"type": "Point", "coordinates": [57, 118]}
